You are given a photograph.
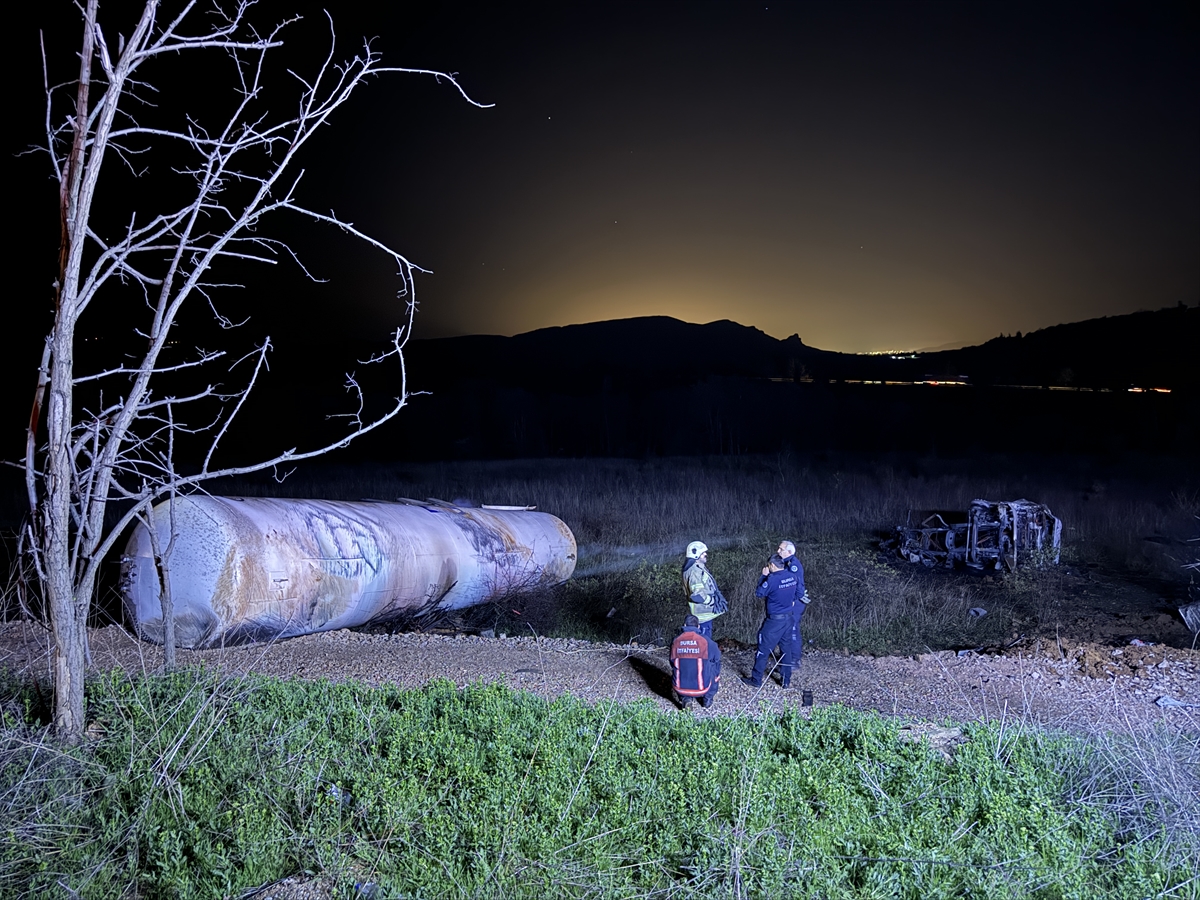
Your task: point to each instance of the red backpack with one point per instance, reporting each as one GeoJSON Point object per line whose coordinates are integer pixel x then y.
{"type": "Point", "coordinates": [691, 670]}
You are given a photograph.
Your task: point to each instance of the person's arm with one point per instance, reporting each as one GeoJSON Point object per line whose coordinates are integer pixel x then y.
{"type": "Point", "coordinates": [719, 604]}
{"type": "Point", "coordinates": [764, 588]}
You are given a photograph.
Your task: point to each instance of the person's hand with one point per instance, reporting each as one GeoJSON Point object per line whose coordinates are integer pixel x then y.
{"type": "Point", "coordinates": [766, 570]}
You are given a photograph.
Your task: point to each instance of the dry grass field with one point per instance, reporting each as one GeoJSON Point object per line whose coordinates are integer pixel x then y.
{"type": "Point", "coordinates": [1127, 526]}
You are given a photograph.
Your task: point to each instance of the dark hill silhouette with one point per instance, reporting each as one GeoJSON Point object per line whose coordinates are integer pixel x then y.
{"type": "Point", "coordinates": [656, 385]}
{"type": "Point", "coordinates": [650, 350]}
{"type": "Point", "coordinates": [1145, 349]}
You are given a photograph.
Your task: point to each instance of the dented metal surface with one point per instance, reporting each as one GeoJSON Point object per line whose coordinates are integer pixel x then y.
{"type": "Point", "coordinates": [248, 569]}
{"type": "Point", "coordinates": [990, 534]}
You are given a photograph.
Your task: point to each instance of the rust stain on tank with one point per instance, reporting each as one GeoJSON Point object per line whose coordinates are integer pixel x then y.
{"type": "Point", "coordinates": [226, 589]}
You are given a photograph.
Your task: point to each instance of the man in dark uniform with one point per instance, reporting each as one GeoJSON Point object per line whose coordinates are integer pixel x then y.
{"type": "Point", "coordinates": [695, 665]}
{"type": "Point", "coordinates": [777, 586]}
{"type": "Point", "coordinates": [787, 550]}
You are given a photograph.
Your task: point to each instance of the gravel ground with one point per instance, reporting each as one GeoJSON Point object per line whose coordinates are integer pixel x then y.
{"type": "Point", "coordinates": [1083, 687]}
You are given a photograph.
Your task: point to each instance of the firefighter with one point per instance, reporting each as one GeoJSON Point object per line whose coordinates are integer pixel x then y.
{"type": "Point", "coordinates": [777, 586]}
{"type": "Point", "coordinates": [704, 597]}
{"type": "Point", "coordinates": [695, 665]}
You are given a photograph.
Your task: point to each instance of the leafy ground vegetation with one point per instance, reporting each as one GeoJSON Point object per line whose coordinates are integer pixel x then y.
{"type": "Point", "coordinates": [195, 785]}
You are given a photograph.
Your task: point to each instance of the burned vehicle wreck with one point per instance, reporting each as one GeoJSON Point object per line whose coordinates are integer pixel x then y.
{"type": "Point", "coordinates": [989, 535]}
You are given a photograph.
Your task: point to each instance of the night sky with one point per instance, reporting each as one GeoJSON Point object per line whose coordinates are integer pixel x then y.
{"type": "Point", "coordinates": [868, 176]}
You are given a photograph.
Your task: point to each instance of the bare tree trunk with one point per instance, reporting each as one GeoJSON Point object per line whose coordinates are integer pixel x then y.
{"type": "Point", "coordinates": [68, 615]}
{"type": "Point", "coordinates": [68, 609]}
{"type": "Point", "coordinates": [69, 639]}
{"type": "Point", "coordinates": [68, 601]}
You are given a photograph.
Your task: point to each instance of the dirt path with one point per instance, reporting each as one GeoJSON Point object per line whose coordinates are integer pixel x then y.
{"type": "Point", "coordinates": [1078, 687]}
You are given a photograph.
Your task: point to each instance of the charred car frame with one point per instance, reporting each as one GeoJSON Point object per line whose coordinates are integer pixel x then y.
{"type": "Point", "coordinates": [989, 535]}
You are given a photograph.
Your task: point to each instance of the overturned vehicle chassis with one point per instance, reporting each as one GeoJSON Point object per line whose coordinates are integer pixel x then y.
{"type": "Point", "coordinates": [990, 535]}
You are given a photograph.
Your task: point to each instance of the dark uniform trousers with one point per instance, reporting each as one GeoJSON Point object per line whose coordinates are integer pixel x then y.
{"type": "Point", "coordinates": [776, 631]}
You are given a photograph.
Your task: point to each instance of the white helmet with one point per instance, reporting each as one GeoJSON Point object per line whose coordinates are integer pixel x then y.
{"type": "Point", "coordinates": [696, 549]}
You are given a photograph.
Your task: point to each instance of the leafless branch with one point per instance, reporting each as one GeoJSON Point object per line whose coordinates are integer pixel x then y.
{"type": "Point", "coordinates": [126, 370]}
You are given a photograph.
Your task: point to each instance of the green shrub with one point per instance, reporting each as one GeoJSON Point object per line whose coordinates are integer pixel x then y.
{"type": "Point", "coordinates": [201, 786]}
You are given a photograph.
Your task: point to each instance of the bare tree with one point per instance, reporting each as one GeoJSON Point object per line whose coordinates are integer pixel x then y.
{"type": "Point", "coordinates": [113, 433]}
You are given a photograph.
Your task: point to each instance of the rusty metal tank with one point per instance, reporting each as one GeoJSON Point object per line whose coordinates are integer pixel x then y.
{"type": "Point", "coordinates": [252, 569]}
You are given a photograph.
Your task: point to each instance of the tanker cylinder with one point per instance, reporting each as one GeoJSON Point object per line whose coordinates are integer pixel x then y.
{"type": "Point", "coordinates": [255, 569]}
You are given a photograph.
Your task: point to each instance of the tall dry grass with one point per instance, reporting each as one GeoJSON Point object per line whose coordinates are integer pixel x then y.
{"type": "Point", "coordinates": [633, 519]}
